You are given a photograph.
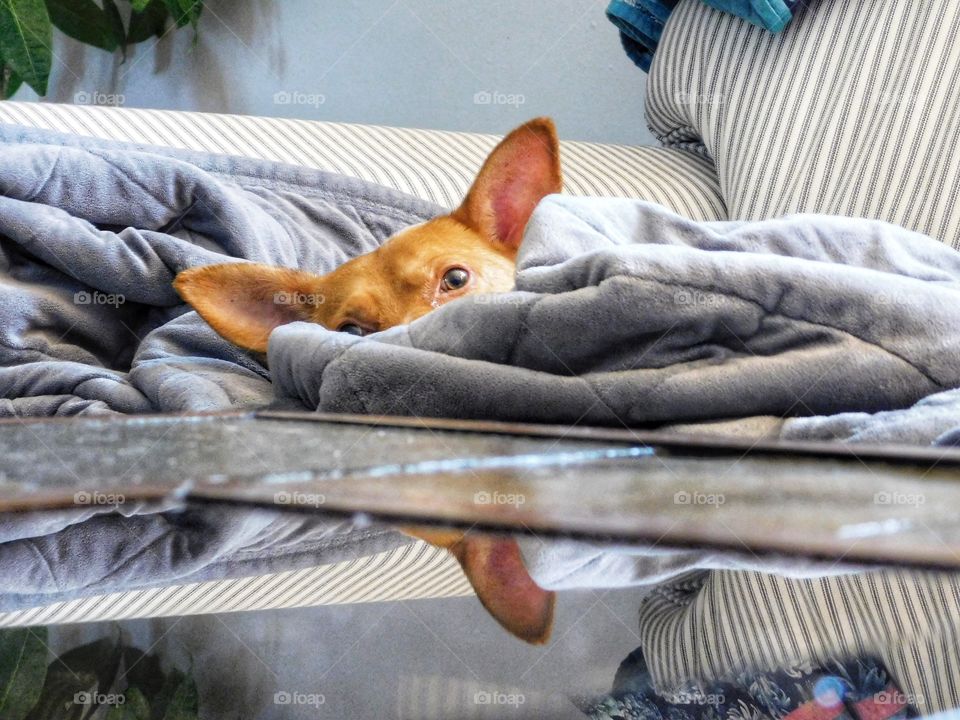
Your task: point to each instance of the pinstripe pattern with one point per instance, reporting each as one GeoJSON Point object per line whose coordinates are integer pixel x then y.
{"type": "Point", "coordinates": [430, 164]}
{"type": "Point", "coordinates": [717, 623]}
{"type": "Point", "coordinates": [853, 110]}
{"type": "Point", "coordinates": [414, 571]}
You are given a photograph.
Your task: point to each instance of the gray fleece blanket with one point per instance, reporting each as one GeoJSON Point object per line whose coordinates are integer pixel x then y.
{"type": "Point", "coordinates": [91, 235]}
{"type": "Point", "coordinates": [624, 313]}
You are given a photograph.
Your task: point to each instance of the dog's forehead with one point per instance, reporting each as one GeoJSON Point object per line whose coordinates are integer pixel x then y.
{"type": "Point", "coordinates": [441, 234]}
{"type": "Point", "coordinates": [407, 231]}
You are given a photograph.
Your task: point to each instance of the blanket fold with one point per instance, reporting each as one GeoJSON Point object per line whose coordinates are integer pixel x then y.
{"type": "Point", "coordinates": [624, 313]}
{"type": "Point", "coordinates": [92, 234]}
{"type": "Point", "coordinates": [628, 314]}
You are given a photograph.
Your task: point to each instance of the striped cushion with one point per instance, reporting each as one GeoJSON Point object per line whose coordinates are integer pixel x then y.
{"type": "Point", "coordinates": [434, 165]}
{"type": "Point", "coordinates": [414, 571]}
{"type": "Point", "coordinates": [853, 110]}
{"type": "Point", "coordinates": [718, 623]}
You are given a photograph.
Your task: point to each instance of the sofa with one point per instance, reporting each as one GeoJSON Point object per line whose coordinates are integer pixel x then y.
{"type": "Point", "coordinates": [851, 111]}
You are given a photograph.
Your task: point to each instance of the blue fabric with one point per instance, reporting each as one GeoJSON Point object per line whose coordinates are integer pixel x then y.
{"type": "Point", "coordinates": [772, 15]}
{"type": "Point", "coordinates": [840, 689]}
{"type": "Point", "coordinates": [641, 22]}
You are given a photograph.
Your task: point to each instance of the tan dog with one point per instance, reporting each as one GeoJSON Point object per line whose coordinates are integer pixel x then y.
{"type": "Point", "coordinates": [473, 249]}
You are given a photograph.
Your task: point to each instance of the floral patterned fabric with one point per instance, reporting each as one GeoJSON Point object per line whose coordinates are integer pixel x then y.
{"type": "Point", "coordinates": [859, 689]}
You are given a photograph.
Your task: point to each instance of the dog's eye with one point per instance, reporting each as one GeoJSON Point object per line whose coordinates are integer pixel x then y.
{"type": "Point", "coordinates": [455, 279]}
{"type": "Point", "coordinates": [351, 329]}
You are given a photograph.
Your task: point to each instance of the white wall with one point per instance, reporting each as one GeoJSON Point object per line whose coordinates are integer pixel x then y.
{"type": "Point", "coordinates": [416, 63]}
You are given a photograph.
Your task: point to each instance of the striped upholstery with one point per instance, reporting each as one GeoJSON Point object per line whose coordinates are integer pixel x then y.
{"type": "Point", "coordinates": [434, 165]}
{"type": "Point", "coordinates": [853, 110]}
{"type": "Point", "coordinates": [720, 622]}
{"type": "Point", "coordinates": [414, 571]}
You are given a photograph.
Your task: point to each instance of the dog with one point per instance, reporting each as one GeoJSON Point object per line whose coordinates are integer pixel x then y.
{"type": "Point", "coordinates": [470, 250]}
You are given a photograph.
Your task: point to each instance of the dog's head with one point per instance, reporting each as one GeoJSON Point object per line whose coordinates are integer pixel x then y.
{"type": "Point", "coordinates": [473, 249]}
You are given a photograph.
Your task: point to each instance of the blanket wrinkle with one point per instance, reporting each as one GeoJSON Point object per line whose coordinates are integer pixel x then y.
{"type": "Point", "coordinates": [42, 184]}
{"type": "Point", "coordinates": [522, 327]}
{"type": "Point", "coordinates": [38, 547]}
{"type": "Point", "coordinates": [630, 299]}
{"type": "Point", "coordinates": [772, 314]}
{"type": "Point", "coordinates": [92, 234]}
{"type": "Point", "coordinates": [860, 306]}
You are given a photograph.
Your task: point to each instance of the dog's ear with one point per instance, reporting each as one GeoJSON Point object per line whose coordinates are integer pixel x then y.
{"type": "Point", "coordinates": [519, 173]}
{"type": "Point", "coordinates": [495, 569]}
{"type": "Point", "coordinates": [244, 302]}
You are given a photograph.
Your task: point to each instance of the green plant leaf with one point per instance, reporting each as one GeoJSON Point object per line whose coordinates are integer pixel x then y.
{"type": "Point", "coordinates": [139, 5]}
{"type": "Point", "coordinates": [147, 23]}
{"type": "Point", "coordinates": [185, 11]}
{"type": "Point", "coordinates": [75, 678]}
{"type": "Point", "coordinates": [66, 696]}
{"type": "Point", "coordinates": [134, 707]}
{"type": "Point", "coordinates": [26, 36]}
{"type": "Point", "coordinates": [193, 8]}
{"type": "Point", "coordinates": [23, 668]}
{"type": "Point", "coordinates": [116, 23]}
{"type": "Point", "coordinates": [185, 703]}
{"type": "Point", "coordinates": [83, 20]}
{"type": "Point", "coordinates": [10, 82]}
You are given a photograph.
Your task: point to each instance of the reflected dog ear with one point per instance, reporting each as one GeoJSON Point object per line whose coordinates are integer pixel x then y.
{"type": "Point", "coordinates": [495, 569]}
